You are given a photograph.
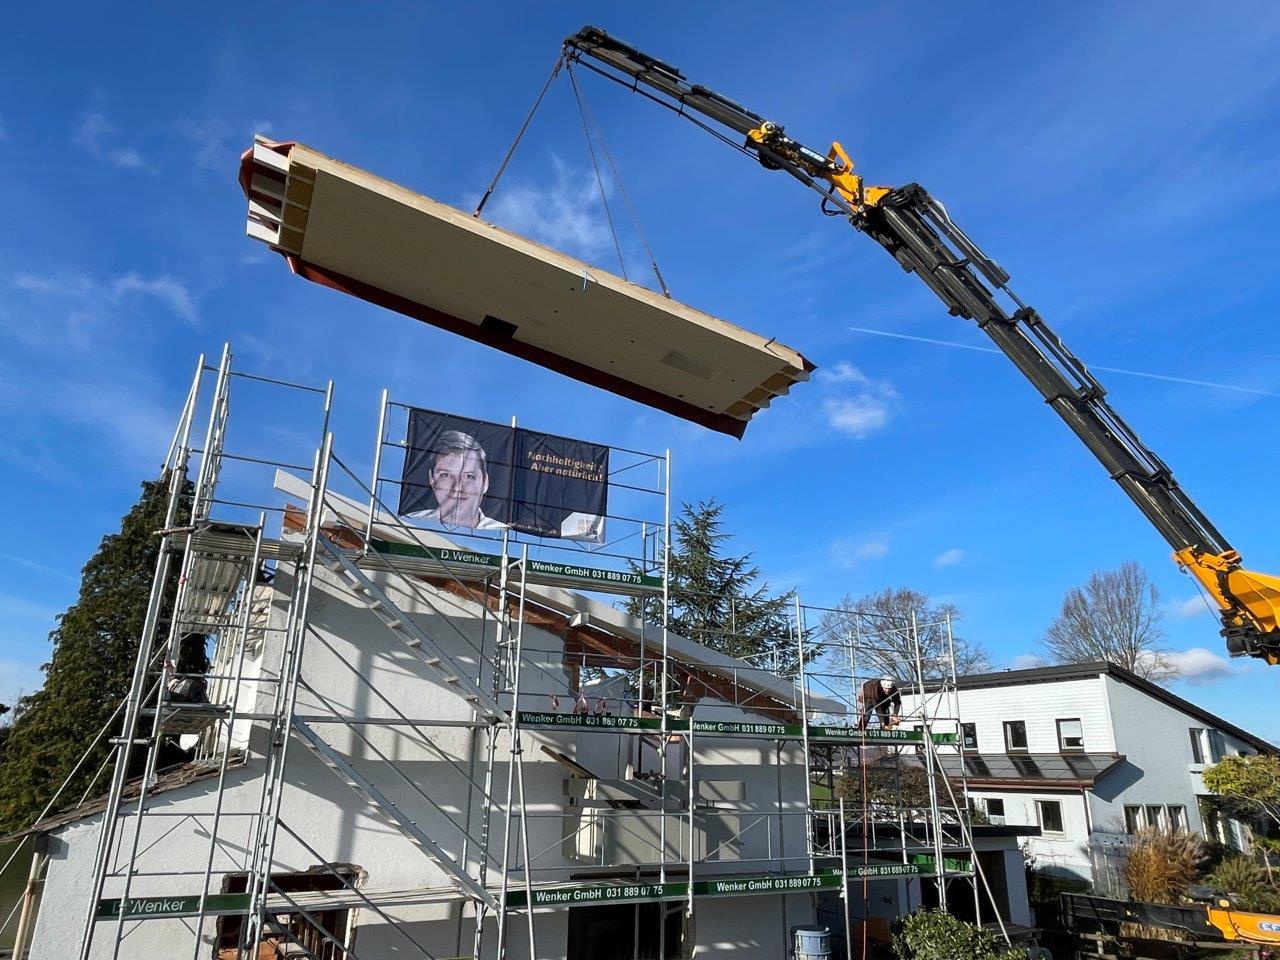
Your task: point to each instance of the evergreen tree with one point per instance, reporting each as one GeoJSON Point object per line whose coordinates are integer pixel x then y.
{"type": "Point", "coordinates": [718, 600]}
{"type": "Point", "coordinates": [95, 645]}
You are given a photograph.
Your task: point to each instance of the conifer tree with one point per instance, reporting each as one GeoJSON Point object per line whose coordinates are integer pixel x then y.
{"type": "Point", "coordinates": [718, 600]}
{"type": "Point", "coordinates": [95, 645]}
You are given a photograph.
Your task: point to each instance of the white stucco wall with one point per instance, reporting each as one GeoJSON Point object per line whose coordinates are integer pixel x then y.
{"type": "Point", "coordinates": [349, 643]}
{"type": "Point", "coordinates": [1064, 853]}
{"type": "Point", "coordinates": [1116, 717]}
{"type": "Point", "coordinates": [1040, 706]}
{"type": "Point", "coordinates": [1155, 738]}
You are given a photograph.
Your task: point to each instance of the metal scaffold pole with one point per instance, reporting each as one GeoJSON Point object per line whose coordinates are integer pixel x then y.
{"type": "Point", "coordinates": [804, 733]}
{"type": "Point", "coordinates": [844, 883]}
{"type": "Point", "coordinates": [180, 453]}
{"type": "Point", "coordinates": [377, 472]}
{"type": "Point", "coordinates": [663, 705]}
{"type": "Point", "coordinates": [519, 752]}
{"type": "Point", "coordinates": [932, 768]}
{"type": "Point", "coordinates": [501, 667]}
{"type": "Point", "coordinates": [240, 641]}
{"type": "Point", "coordinates": [689, 829]}
{"type": "Point", "coordinates": [515, 773]}
{"type": "Point", "coordinates": [286, 700]}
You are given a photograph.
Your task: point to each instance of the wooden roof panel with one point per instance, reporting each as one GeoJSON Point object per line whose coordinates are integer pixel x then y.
{"type": "Point", "coordinates": [371, 238]}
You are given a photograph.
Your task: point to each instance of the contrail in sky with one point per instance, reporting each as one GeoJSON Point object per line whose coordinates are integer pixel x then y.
{"type": "Point", "coordinates": [1129, 373]}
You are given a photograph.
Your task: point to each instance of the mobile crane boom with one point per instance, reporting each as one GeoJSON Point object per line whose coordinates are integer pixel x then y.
{"type": "Point", "coordinates": [917, 232]}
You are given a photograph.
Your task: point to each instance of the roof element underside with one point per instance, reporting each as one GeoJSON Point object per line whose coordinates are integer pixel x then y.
{"type": "Point", "coordinates": [380, 242]}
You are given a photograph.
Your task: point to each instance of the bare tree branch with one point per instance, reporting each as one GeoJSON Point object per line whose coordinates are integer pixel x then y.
{"type": "Point", "coordinates": [880, 625]}
{"type": "Point", "coordinates": [1115, 617]}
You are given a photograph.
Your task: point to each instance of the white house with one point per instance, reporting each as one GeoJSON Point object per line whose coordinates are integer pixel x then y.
{"type": "Point", "coordinates": [1090, 753]}
{"type": "Point", "coordinates": [370, 710]}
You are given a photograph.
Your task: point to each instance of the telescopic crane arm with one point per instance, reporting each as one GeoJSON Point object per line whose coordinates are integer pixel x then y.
{"type": "Point", "coordinates": [917, 232]}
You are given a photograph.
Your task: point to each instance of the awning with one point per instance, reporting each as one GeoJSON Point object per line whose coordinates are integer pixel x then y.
{"type": "Point", "coordinates": [359, 234]}
{"type": "Point", "coordinates": [1030, 769]}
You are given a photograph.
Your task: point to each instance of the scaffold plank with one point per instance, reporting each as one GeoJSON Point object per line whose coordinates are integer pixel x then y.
{"type": "Point", "coordinates": [545, 895]}
{"type": "Point", "coordinates": [818, 733]}
{"type": "Point", "coordinates": [594, 894]}
{"type": "Point", "coordinates": [464, 564]}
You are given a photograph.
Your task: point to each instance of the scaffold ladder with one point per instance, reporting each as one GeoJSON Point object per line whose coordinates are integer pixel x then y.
{"type": "Point", "coordinates": [413, 636]}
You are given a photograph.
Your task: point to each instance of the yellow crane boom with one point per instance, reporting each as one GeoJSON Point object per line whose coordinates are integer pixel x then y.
{"type": "Point", "coordinates": [918, 233]}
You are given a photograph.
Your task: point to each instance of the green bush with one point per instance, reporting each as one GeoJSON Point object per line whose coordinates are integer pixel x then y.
{"type": "Point", "coordinates": [934, 935]}
{"type": "Point", "coordinates": [1247, 884]}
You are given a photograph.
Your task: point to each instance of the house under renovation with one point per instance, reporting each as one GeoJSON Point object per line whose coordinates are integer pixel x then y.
{"type": "Point", "coordinates": [480, 742]}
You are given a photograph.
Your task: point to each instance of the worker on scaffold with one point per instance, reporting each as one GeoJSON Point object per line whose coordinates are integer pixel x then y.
{"type": "Point", "coordinates": [882, 697]}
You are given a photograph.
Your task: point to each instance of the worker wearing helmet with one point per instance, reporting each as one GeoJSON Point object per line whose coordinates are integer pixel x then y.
{"type": "Point", "coordinates": [882, 697]}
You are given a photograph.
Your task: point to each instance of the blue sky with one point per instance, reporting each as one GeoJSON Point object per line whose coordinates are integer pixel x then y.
{"type": "Point", "coordinates": [1120, 161]}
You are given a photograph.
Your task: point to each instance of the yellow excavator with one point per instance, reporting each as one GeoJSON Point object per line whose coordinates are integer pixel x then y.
{"type": "Point", "coordinates": [1212, 924]}
{"type": "Point", "coordinates": [917, 232]}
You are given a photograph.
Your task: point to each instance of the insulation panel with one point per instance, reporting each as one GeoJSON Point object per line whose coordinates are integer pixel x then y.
{"type": "Point", "coordinates": [365, 236]}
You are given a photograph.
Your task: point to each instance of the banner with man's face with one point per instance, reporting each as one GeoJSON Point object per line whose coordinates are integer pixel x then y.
{"type": "Point", "coordinates": [457, 472]}
{"type": "Point", "coordinates": [466, 475]}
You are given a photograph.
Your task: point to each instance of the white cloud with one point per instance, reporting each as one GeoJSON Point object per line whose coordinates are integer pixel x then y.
{"type": "Point", "coordinates": [33, 283]}
{"type": "Point", "coordinates": [138, 428]}
{"type": "Point", "coordinates": [219, 143]}
{"type": "Point", "coordinates": [566, 214]}
{"type": "Point", "coordinates": [855, 404]}
{"type": "Point", "coordinates": [949, 558]}
{"type": "Point", "coordinates": [1186, 609]}
{"type": "Point", "coordinates": [20, 608]}
{"type": "Point", "coordinates": [170, 292]}
{"type": "Point", "coordinates": [40, 567]}
{"type": "Point", "coordinates": [1198, 665]}
{"type": "Point", "coordinates": [85, 300]}
{"type": "Point", "coordinates": [1026, 661]}
{"type": "Point", "coordinates": [210, 136]}
{"type": "Point", "coordinates": [851, 551]}
{"type": "Point", "coordinates": [98, 136]}
{"type": "Point", "coordinates": [858, 416]}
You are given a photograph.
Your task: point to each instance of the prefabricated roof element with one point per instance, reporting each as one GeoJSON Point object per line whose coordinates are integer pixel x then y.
{"type": "Point", "coordinates": [365, 236]}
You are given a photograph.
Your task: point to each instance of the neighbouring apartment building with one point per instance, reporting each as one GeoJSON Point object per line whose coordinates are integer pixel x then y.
{"type": "Point", "coordinates": [1091, 753]}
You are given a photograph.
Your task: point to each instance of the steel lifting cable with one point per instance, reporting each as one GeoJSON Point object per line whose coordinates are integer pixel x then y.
{"type": "Point", "coordinates": [502, 168]}
{"type": "Point", "coordinates": [617, 178]}
{"type": "Point", "coordinates": [595, 164]}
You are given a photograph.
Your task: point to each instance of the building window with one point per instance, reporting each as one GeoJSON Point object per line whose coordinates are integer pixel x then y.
{"type": "Point", "coordinates": [1197, 745]}
{"type": "Point", "coordinates": [1132, 820]}
{"type": "Point", "coordinates": [1050, 816]}
{"type": "Point", "coordinates": [1015, 735]}
{"type": "Point", "coordinates": [1177, 818]}
{"type": "Point", "coordinates": [995, 807]}
{"type": "Point", "coordinates": [1155, 816]}
{"type": "Point", "coordinates": [969, 736]}
{"type": "Point", "coordinates": [1070, 735]}
{"type": "Point", "coordinates": [1212, 820]}
{"type": "Point", "coordinates": [1217, 746]}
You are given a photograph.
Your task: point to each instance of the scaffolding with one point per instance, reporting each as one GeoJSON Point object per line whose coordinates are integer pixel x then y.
{"type": "Point", "coordinates": [469, 617]}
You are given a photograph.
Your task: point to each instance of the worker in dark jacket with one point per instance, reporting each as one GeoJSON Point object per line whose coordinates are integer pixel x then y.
{"type": "Point", "coordinates": [881, 696]}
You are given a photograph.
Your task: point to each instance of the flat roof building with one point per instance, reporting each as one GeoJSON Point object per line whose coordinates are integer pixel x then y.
{"type": "Point", "coordinates": [1091, 753]}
